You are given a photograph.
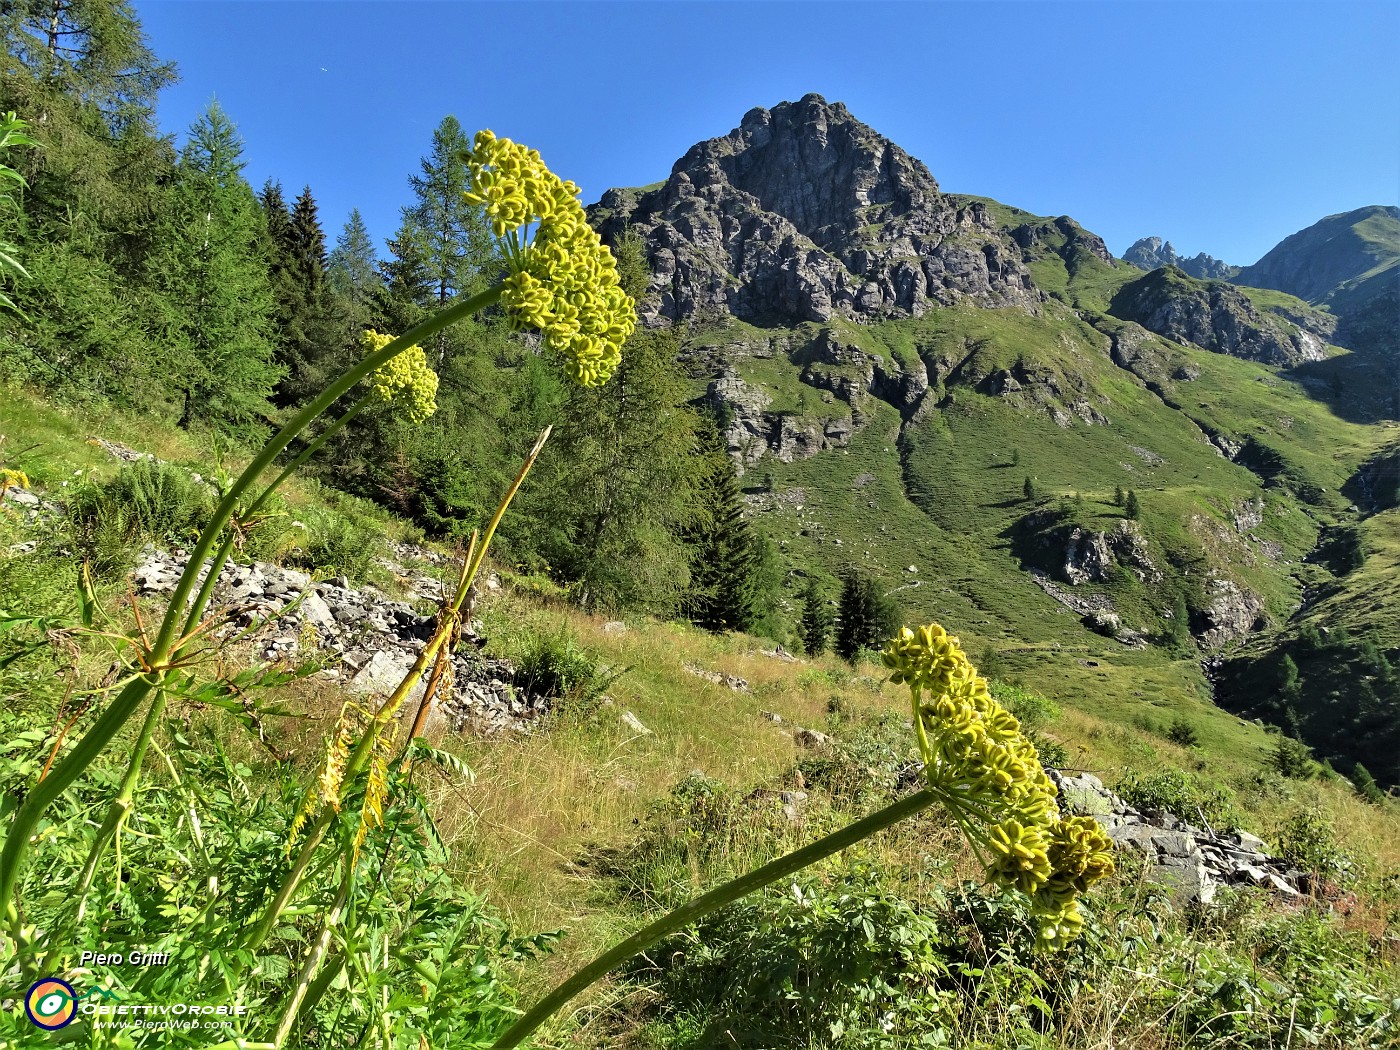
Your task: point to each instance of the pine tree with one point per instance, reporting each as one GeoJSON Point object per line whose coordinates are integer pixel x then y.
{"type": "Point", "coordinates": [1132, 510]}
{"type": "Point", "coordinates": [1028, 488]}
{"type": "Point", "coordinates": [449, 237]}
{"type": "Point", "coordinates": [80, 72]}
{"type": "Point", "coordinates": [1117, 495]}
{"type": "Point", "coordinates": [867, 619]}
{"type": "Point", "coordinates": [352, 271]}
{"type": "Point", "coordinates": [1366, 785]}
{"type": "Point", "coordinates": [211, 281]}
{"type": "Point", "coordinates": [723, 558]}
{"type": "Point", "coordinates": [311, 333]}
{"type": "Point", "coordinates": [816, 623]}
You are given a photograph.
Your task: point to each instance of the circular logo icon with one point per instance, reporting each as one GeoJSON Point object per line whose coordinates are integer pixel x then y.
{"type": "Point", "coordinates": [51, 1003]}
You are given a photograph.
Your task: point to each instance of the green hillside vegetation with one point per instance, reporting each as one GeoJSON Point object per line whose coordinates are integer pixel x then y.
{"type": "Point", "coordinates": [585, 827]}
{"type": "Point", "coordinates": [1172, 566]}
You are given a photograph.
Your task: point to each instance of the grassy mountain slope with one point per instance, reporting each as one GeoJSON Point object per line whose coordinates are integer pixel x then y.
{"type": "Point", "coordinates": [1239, 468]}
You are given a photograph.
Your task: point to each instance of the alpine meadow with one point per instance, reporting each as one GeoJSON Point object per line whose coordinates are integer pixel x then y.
{"type": "Point", "coordinates": [784, 605]}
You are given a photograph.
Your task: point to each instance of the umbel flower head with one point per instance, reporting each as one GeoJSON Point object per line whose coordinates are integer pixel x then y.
{"type": "Point", "coordinates": [405, 380]}
{"type": "Point", "coordinates": [989, 777]}
{"type": "Point", "coordinates": [562, 280]}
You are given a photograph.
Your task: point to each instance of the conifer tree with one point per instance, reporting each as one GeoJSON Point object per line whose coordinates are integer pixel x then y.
{"type": "Point", "coordinates": [1132, 510]}
{"type": "Point", "coordinates": [1366, 785]}
{"type": "Point", "coordinates": [867, 619]}
{"type": "Point", "coordinates": [607, 506]}
{"type": "Point", "coordinates": [723, 559]}
{"type": "Point", "coordinates": [816, 620]}
{"type": "Point", "coordinates": [311, 335]}
{"type": "Point", "coordinates": [82, 75]}
{"type": "Point", "coordinates": [352, 271]}
{"type": "Point", "coordinates": [1028, 488]}
{"type": "Point", "coordinates": [214, 300]}
{"type": "Point", "coordinates": [1117, 495]}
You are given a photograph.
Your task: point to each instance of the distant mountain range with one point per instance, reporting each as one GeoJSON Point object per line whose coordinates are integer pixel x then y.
{"type": "Point", "coordinates": [1150, 253]}
{"type": "Point", "coordinates": [900, 366]}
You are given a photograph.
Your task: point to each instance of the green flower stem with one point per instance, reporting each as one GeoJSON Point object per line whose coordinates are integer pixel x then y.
{"type": "Point", "coordinates": [121, 805]}
{"type": "Point", "coordinates": [62, 775]}
{"type": "Point", "coordinates": [925, 752]}
{"type": "Point", "coordinates": [707, 903]}
{"type": "Point", "coordinates": [356, 762]}
{"type": "Point", "coordinates": [206, 592]}
{"type": "Point", "coordinates": [106, 728]}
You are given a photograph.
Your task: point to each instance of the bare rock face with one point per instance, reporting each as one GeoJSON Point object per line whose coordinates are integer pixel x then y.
{"type": "Point", "coordinates": [1231, 612]}
{"type": "Point", "coordinates": [1149, 253]}
{"type": "Point", "coordinates": [1216, 316]}
{"type": "Point", "coordinates": [1087, 557]}
{"type": "Point", "coordinates": [802, 213]}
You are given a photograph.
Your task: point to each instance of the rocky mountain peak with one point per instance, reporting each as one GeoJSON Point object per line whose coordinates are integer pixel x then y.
{"type": "Point", "coordinates": [803, 212]}
{"type": "Point", "coordinates": [813, 163]}
{"type": "Point", "coordinates": [1151, 253]}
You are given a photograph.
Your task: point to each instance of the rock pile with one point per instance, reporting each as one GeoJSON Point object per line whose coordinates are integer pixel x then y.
{"type": "Point", "coordinates": [368, 640]}
{"type": "Point", "coordinates": [1196, 862]}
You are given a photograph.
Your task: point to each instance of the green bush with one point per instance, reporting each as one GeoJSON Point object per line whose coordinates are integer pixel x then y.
{"type": "Point", "coordinates": [1032, 710]}
{"type": "Point", "coordinates": [145, 502]}
{"type": "Point", "coordinates": [1293, 759]}
{"type": "Point", "coordinates": [339, 544]}
{"type": "Point", "coordinates": [556, 666]}
{"type": "Point", "coordinates": [1182, 733]}
{"type": "Point", "coordinates": [849, 964]}
{"type": "Point", "coordinates": [1308, 839]}
{"type": "Point", "coordinates": [1181, 794]}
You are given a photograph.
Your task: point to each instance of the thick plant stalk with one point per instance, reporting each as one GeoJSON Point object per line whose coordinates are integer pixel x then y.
{"type": "Point", "coordinates": [206, 592]}
{"type": "Point", "coordinates": [355, 764]}
{"type": "Point", "coordinates": [121, 805]}
{"type": "Point", "coordinates": [313, 962]}
{"type": "Point", "coordinates": [106, 728]}
{"type": "Point", "coordinates": [707, 903]}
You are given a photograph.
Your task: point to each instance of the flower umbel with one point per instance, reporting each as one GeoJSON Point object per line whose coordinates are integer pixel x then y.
{"type": "Point", "coordinates": [990, 778]}
{"type": "Point", "coordinates": [405, 380]}
{"type": "Point", "coordinates": [563, 280]}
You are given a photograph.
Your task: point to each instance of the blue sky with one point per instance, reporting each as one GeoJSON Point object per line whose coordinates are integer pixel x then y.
{"type": "Point", "coordinates": [1220, 126]}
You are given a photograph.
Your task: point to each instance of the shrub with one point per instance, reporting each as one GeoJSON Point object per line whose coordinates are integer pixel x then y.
{"type": "Point", "coordinates": [1183, 733]}
{"type": "Point", "coordinates": [339, 544]}
{"type": "Point", "coordinates": [556, 666]}
{"type": "Point", "coordinates": [849, 963]}
{"type": "Point", "coordinates": [1179, 793]}
{"type": "Point", "coordinates": [1308, 839]}
{"type": "Point", "coordinates": [1292, 758]}
{"type": "Point", "coordinates": [1032, 710]}
{"type": "Point", "coordinates": [145, 502]}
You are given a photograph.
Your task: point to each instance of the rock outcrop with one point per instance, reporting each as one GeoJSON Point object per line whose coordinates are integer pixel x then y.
{"type": "Point", "coordinates": [1194, 862]}
{"type": "Point", "coordinates": [366, 640]}
{"type": "Point", "coordinates": [1151, 253]}
{"type": "Point", "coordinates": [1215, 316]}
{"type": "Point", "coordinates": [803, 213]}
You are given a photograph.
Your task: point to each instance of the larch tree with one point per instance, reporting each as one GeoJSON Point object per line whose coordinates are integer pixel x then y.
{"type": "Point", "coordinates": [212, 284]}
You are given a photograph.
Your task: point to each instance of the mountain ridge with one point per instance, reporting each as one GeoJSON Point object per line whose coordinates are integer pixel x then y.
{"type": "Point", "coordinates": [891, 362]}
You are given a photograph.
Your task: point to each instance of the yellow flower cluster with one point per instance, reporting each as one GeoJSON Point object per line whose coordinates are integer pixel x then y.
{"type": "Point", "coordinates": [977, 759]}
{"type": "Point", "coordinates": [405, 380]}
{"type": "Point", "coordinates": [564, 281]}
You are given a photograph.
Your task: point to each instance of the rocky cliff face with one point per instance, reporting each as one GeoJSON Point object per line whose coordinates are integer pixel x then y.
{"type": "Point", "coordinates": [1151, 253]}
{"type": "Point", "coordinates": [1215, 316]}
{"type": "Point", "coordinates": [803, 213]}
